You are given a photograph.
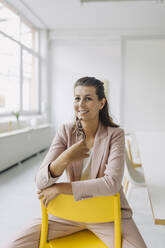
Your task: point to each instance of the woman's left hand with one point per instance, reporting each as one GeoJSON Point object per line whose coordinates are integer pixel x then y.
{"type": "Point", "coordinates": [48, 194]}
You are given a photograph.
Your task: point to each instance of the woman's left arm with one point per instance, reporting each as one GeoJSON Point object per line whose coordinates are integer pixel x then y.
{"type": "Point", "coordinates": [51, 192]}
{"type": "Point", "coordinates": [110, 183]}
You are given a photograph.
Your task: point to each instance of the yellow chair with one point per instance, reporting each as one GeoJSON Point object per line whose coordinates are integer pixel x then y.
{"type": "Point", "coordinates": [131, 162]}
{"type": "Point", "coordinates": [135, 165]}
{"type": "Point", "coordinates": [93, 210]}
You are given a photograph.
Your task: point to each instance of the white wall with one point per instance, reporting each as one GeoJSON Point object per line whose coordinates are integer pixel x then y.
{"type": "Point", "coordinates": [72, 59]}
{"type": "Point", "coordinates": [144, 84]}
{"type": "Point", "coordinates": [135, 70]}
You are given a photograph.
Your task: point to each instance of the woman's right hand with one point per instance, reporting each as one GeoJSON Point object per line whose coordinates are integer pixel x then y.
{"type": "Point", "coordinates": [75, 152]}
{"type": "Point", "coordinates": [78, 151]}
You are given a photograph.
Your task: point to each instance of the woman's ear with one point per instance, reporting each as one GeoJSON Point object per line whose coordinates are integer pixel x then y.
{"type": "Point", "coordinates": [103, 101]}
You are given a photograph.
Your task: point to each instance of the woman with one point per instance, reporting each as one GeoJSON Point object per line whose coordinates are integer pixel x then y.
{"type": "Point", "coordinates": [91, 150]}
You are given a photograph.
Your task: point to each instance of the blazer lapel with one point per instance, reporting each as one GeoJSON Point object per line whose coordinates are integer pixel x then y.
{"type": "Point", "coordinates": [77, 166]}
{"type": "Point", "coordinates": [98, 151]}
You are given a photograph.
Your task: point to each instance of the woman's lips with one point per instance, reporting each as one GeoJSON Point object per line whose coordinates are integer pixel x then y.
{"type": "Point", "coordinates": [83, 112]}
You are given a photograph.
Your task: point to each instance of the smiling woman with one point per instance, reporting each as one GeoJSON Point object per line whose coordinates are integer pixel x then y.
{"type": "Point", "coordinates": [91, 151]}
{"type": "Point", "coordinates": [91, 91]}
{"type": "Point", "coordinates": [86, 103]}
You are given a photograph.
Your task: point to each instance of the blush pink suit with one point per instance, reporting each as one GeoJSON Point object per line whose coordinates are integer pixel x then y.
{"type": "Point", "coordinates": [107, 170]}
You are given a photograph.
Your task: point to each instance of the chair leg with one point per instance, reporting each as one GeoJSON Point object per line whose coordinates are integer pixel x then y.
{"type": "Point", "coordinates": [126, 183]}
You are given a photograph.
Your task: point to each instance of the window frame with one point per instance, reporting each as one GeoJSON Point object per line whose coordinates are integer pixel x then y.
{"type": "Point", "coordinates": [34, 53]}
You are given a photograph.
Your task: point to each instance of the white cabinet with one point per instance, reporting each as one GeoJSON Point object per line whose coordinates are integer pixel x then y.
{"type": "Point", "coordinates": [17, 145]}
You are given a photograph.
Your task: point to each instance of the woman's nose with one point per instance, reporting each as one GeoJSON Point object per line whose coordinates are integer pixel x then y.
{"type": "Point", "coordinates": [81, 103]}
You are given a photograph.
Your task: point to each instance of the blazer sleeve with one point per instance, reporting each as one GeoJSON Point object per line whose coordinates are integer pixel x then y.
{"type": "Point", "coordinates": [110, 183]}
{"type": "Point", "coordinates": [43, 179]}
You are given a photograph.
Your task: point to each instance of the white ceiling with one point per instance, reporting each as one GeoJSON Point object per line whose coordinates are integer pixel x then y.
{"type": "Point", "coordinates": [71, 14]}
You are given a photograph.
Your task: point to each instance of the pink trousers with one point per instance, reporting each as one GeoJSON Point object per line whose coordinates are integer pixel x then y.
{"type": "Point", "coordinates": [29, 238]}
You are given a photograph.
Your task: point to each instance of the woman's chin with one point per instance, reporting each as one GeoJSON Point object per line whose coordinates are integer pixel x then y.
{"type": "Point", "coordinates": [84, 119]}
{"type": "Point", "coordinates": [81, 117]}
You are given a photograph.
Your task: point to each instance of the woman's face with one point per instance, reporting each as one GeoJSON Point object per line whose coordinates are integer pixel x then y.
{"type": "Point", "coordinates": [86, 103]}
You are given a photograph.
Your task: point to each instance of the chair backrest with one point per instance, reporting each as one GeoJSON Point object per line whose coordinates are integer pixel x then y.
{"type": "Point", "coordinates": [133, 150]}
{"type": "Point", "coordinates": [96, 209]}
{"type": "Point", "coordinates": [129, 150]}
{"type": "Point", "coordinates": [135, 176]}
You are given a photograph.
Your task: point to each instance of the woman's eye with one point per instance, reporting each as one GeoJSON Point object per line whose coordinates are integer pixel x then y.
{"type": "Point", "coordinates": [88, 98]}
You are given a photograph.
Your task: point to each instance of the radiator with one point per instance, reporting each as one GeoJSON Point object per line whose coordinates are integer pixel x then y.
{"type": "Point", "coordinates": [20, 144]}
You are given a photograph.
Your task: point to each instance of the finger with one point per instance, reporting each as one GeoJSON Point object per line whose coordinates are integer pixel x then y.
{"type": "Point", "coordinates": [83, 143]}
{"type": "Point", "coordinates": [41, 194]}
{"type": "Point", "coordinates": [84, 156]}
{"type": "Point", "coordinates": [46, 203]}
{"type": "Point", "coordinates": [84, 136]}
{"type": "Point", "coordinates": [38, 191]}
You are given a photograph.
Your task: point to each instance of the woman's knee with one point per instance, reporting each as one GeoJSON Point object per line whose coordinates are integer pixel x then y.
{"type": "Point", "coordinates": [28, 238]}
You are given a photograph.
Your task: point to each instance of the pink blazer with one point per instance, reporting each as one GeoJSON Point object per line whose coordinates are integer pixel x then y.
{"type": "Point", "coordinates": [107, 166]}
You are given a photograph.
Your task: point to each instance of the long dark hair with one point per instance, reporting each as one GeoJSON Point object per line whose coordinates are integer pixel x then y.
{"type": "Point", "coordinates": [104, 116]}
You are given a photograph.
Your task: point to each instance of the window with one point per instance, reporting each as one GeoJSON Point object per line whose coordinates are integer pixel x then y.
{"type": "Point", "coordinates": [19, 60]}
{"type": "Point", "coordinates": [30, 82]}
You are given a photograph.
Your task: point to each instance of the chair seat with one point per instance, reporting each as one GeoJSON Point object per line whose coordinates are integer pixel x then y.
{"type": "Point", "coordinates": [81, 239]}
